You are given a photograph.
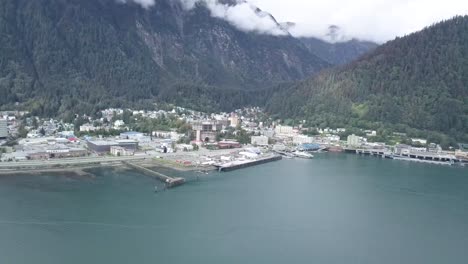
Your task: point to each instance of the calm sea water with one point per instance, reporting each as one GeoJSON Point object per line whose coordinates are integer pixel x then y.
{"type": "Point", "coordinates": [333, 209]}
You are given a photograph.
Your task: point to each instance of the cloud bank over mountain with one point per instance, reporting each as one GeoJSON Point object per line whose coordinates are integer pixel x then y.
{"type": "Point", "coordinates": [377, 20]}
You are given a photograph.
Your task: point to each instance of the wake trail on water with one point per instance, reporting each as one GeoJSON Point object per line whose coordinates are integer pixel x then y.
{"type": "Point", "coordinates": [82, 223]}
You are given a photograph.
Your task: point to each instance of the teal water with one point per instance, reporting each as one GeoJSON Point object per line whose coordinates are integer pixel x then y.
{"type": "Point", "coordinates": [333, 209]}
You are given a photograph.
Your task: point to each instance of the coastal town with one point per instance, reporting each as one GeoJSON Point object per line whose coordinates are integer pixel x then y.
{"type": "Point", "coordinates": [186, 139]}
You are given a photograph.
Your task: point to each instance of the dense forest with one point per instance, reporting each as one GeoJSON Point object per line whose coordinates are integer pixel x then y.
{"type": "Point", "coordinates": [339, 52]}
{"type": "Point", "coordinates": [59, 56]}
{"type": "Point", "coordinates": [418, 81]}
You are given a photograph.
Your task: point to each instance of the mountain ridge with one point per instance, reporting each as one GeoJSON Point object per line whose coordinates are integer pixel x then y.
{"type": "Point", "coordinates": [418, 81]}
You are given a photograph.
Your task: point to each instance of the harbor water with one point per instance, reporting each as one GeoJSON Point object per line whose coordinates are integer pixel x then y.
{"type": "Point", "coordinates": [336, 208]}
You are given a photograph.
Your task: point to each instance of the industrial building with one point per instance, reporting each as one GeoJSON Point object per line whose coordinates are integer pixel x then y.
{"type": "Point", "coordinates": [121, 151]}
{"type": "Point", "coordinates": [102, 147]}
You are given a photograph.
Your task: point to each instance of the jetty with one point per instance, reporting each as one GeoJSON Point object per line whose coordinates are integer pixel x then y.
{"type": "Point", "coordinates": [169, 181]}
{"type": "Point", "coordinates": [240, 164]}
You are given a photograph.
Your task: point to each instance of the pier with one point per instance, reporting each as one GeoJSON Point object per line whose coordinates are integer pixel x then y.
{"type": "Point", "coordinates": [169, 181]}
{"type": "Point", "coordinates": [372, 152]}
{"type": "Point", "coordinates": [235, 165]}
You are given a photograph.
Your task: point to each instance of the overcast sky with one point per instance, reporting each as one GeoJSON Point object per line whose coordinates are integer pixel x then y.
{"type": "Point", "coordinates": [378, 20]}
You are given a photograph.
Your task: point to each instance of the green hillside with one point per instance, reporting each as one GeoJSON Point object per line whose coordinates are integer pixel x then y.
{"type": "Point", "coordinates": [59, 56]}
{"type": "Point", "coordinates": [418, 81]}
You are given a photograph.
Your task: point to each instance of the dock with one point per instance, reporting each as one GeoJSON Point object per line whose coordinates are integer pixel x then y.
{"type": "Point", "coordinates": [169, 181]}
{"type": "Point", "coordinates": [235, 165]}
{"type": "Point", "coordinates": [372, 152]}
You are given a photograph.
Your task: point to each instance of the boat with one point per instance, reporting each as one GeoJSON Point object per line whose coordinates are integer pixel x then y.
{"type": "Point", "coordinates": [304, 155]}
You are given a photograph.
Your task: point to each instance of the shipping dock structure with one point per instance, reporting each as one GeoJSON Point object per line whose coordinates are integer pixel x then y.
{"type": "Point", "coordinates": [240, 164]}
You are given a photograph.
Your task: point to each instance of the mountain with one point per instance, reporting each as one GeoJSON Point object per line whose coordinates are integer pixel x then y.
{"type": "Point", "coordinates": [338, 53]}
{"type": "Point", "coordinates": [418, 81]}
{"type": "Point", "coordinates": [58, 56]}
{"type": "Point", "coordinates": [334, 47]}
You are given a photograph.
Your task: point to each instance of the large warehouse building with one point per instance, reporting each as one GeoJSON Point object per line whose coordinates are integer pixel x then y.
{"type": "Point", "coordinates": [102, 146]}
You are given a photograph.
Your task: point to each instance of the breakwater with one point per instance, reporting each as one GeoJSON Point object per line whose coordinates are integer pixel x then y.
{"type": "Point", "coordinates": [168, 181]}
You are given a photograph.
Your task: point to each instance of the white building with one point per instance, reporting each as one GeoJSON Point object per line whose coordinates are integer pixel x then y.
{"type": "Point", "coordinates": [184, 147]}
{"type": "Point", "coordinates": [268, 133]}
{"type": "Point", "coordinates": [119, 124]}
{"type": "Point", "coordinates": [259, 140]}
{"type": "Point", "coordinates": [162, 134]}
{"type": "Point", "coordinates": [302, 139]}
{"type": "Point", "coordinates": [354, 140]}
{"type": "Point", "coordinates": [371, 133]}
{"type": "Point", "coordinates": [87, 128]}
{"type": "Point", "coordinates": [419, 140]}
{"type": "Point", "coordinates": [3, 128]}
{"type": "Point", "coordinates": [284, 130]}
{"type": "Point", "coordinates": [234, 120]}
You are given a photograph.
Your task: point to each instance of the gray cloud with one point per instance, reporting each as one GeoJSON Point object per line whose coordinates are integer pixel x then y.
{"type": "Point", "coordinates": [378, 20]}
{"type": "Point", "coordinates": [243, 15]}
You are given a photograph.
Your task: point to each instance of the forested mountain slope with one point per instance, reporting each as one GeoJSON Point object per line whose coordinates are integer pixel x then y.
{"type": "Point", "coordinates": [418, 81]}
{"type": "Point", "coordinates": [59, 56]}
{"type": "Point", "coordinates": [340, 52]}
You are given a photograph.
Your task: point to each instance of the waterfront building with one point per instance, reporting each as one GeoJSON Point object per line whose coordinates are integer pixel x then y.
{"type": "Point", "coordinates": [308, 147]}
{"type": "Point", "coordinates": [259, 140]}
{"type": "Point", "coordinates": [302, 139]}
{"type": "Point", "coordinates": [353, 140]}
{"type": "Point", "coordinates": [3, 129]}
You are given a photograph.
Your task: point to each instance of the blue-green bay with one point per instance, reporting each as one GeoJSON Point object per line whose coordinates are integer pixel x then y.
{"type": "Point", "coordinates": [336, 208]}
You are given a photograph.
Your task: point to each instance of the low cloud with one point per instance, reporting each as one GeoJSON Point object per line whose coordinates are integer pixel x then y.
{"type": "Point", "coordinates": [242, 15]}
{"type": "Point", "coordinates": [378, 20]}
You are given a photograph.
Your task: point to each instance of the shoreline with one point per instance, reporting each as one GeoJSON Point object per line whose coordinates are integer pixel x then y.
{"type": "Point", "coordinates": [81, 170]}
